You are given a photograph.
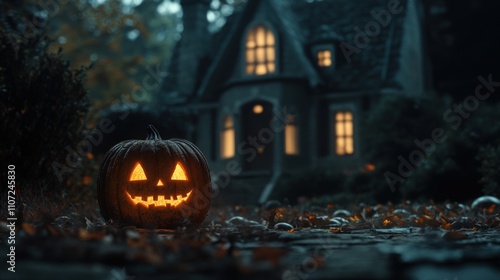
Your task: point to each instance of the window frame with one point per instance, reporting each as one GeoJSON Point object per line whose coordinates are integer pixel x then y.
{"type": "Point", "coordinates": [316, 49]}
{"type": "Point", "coordinates": [253, 28]}
{"type": "Point", "coordinates": [295, 124]}
{"type": "Point", "coordinates": [222, 136]}
{"type": "Point", "coordinates": [333, 110]}
{"type": "Point", "coordinates": [346, 135]}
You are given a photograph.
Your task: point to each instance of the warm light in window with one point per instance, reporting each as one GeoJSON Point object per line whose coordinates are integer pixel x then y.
{"type": "Point", "coordinates": [344, 136]}
{"type": "Point", "coordinates": [227, 138]}
{"type": "Point", "coordinates": [291, 136]}
{"type": "Point", "coordinates": [258, 109]}
{"type": "Point", "coordinates": [260, 51]}
{"type": "Point", "coordinates": [325, 58]}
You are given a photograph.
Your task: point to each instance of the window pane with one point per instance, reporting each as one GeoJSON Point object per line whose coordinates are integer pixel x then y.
{"type": "Point", "coordinates": [327, 62]}
{"type": "Point", "coordinates": [324, 58]}
{"type": "Point", "coordinates": [340, 145]}
{"type": "Point", "coordinates": [250, 69]}
{"type": "Point", "coordinates": [227, 143]}
{"type": "Point", "coordinates": [340, 129]}
{"type": "Point", "coordinates": [270, 67]}
{"type": "Point", "coordinates": [261, 69]}
{"type": "Point", "coordinates": [227, 138]}
{"type": "Point", "coordinates": [270, 38]}
{"type": "Point", "coordinates": [348, 128]}
{"type": "Point", "coordinates": [250, 56]}
{"type": "Point", "coordinates": [260, 36]}
{"type": "Point", "coordinates": [348, 116]}
{"type": "Point", "coordinates": [291, 140]}
{"type": "Point", "coordinates": [261, 55]}
{"type": "Point", "coordinates": [270, 54]}
{"type": "Point", "coordinates": [339, 116]}
{"type": "Point", "coordinates": [349, 146]}
{"type": "Point", "coordinates": [251, 39]}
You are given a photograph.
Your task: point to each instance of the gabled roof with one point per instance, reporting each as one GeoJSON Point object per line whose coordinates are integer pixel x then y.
{"type": "Point", "coordinates": [287, 27]}
{"type": "Point", "coordinates": [302, 23]}
{"type": "Point", "coordinates": [377, 63]}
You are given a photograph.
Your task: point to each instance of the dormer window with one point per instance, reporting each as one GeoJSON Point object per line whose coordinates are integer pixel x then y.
{"type": "Point", "coordinates": [323, 55]}
{"type": "Point", "coordinates": [324, 58]}
{"type": "Point", "coordinates": [260, 51]}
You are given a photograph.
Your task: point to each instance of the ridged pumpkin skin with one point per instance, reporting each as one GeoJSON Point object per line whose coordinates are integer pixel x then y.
{"type": "Point", "coordinates": [158, 159]}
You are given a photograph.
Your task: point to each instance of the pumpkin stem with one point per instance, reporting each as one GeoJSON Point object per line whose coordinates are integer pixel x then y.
{"type": "Point", "coordinates": [153, 134]}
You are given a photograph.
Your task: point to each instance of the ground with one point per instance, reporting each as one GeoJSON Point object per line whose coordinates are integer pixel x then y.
{"type": "Point", "coordinates": [274, 241]}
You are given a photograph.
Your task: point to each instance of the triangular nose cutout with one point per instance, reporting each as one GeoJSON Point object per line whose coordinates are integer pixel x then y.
{"type": "Point", "coordinates": [160, 183]}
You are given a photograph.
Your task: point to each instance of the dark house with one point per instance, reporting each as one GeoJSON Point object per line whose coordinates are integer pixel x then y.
{"type": "Point", "coordinates": [283, 84]}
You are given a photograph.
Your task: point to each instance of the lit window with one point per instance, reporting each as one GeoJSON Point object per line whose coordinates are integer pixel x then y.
{"type": "Point", "coordinates": [344, 136]}
{"type": "Point", "coordinates": [227, 138]}
{"type": "Point", "coordinates": [291, 136]}
{"type": "Point", "coordinates": [260, 51]}
{"type": "Point", "coordinates": [325, 58]}
{"type": "Point", "coordinates": [258, 109]}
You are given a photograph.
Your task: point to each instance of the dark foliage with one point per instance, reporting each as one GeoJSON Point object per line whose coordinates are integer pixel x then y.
{"type": "Point", "coordinates": [389, 131]}
{"type": "Point", "coordinates": [43, 102]}
{"type": "Point", "coordinates": [462, 44]}
{"type": "Point", "coordinates": [461, 167]}
{"type": "Point", "coordinates": [489, 157]}
{"type": "Point", "coordinates": [309, 183]}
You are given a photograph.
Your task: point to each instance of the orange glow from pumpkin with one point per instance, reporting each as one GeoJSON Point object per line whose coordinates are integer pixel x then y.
{"type": "Point", "coordinates": [161, 201]}
{"type": "Point", "coordinates": [179, 173]}
{"type": "Point", "coordinates": [160, 183]}
{"type": "Point", "coordinates": [138, 173]}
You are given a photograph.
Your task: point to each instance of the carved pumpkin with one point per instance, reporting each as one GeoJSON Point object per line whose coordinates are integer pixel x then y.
{"type": "Point", "coordinates": [154, 183]}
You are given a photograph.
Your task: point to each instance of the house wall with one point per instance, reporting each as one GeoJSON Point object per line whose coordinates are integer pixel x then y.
{"type": "Point", "coordinates": [286, 98]}
{"type": "Point", "coordinates": [327, 106]}
{"type": "Point", "coordinates": [413, 59]}
{"type": "Point", "coordinates": [298, 101]}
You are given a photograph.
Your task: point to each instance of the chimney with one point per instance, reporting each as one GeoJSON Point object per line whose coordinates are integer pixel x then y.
{"type": "Point", "coordinates": [193, 45]}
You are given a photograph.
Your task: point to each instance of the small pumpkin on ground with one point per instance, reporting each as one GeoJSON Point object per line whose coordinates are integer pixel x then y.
{"type": "Point", "coordinates": [154, 183]}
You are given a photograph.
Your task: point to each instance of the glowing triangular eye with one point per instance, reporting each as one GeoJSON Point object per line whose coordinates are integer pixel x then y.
{"type": "Point", "coordinates": [179, 173]}
{"type": "Point", "coordinates": [160, 183]}
{"type": "Point", "coordinates": [138, 173]}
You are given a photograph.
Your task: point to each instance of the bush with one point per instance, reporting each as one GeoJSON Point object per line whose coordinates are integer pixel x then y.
{"type": "Point", "coordinates": [389, 130]}
{"type": "Point", "coordinates": [308, 183]}
{"type": "Point", "coordinates": [43, 103]}
{"type": "Point", "coordinates": [463, 167]}
{"type": "Point", "coordinates": [489, 169]}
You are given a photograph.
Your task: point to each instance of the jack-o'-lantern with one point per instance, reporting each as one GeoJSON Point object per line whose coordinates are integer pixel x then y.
{"type": "Point", "coordinates": [154, 183]}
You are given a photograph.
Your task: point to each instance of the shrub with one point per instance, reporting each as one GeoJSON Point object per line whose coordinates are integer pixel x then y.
{"type": "Point", "coordinates": [390, 129]}
{"type": "Point", "coordinates": [308, 183]}
{"type": "Point", "coordinates": [43, 103]}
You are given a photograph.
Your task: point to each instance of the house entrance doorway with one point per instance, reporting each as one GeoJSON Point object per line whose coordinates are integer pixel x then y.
{"type": "Point", "coordinates": [256, 129]}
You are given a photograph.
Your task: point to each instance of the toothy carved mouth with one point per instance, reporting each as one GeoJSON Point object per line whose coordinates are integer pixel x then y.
{"type": "Point", "coordinates": [161, 201]}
